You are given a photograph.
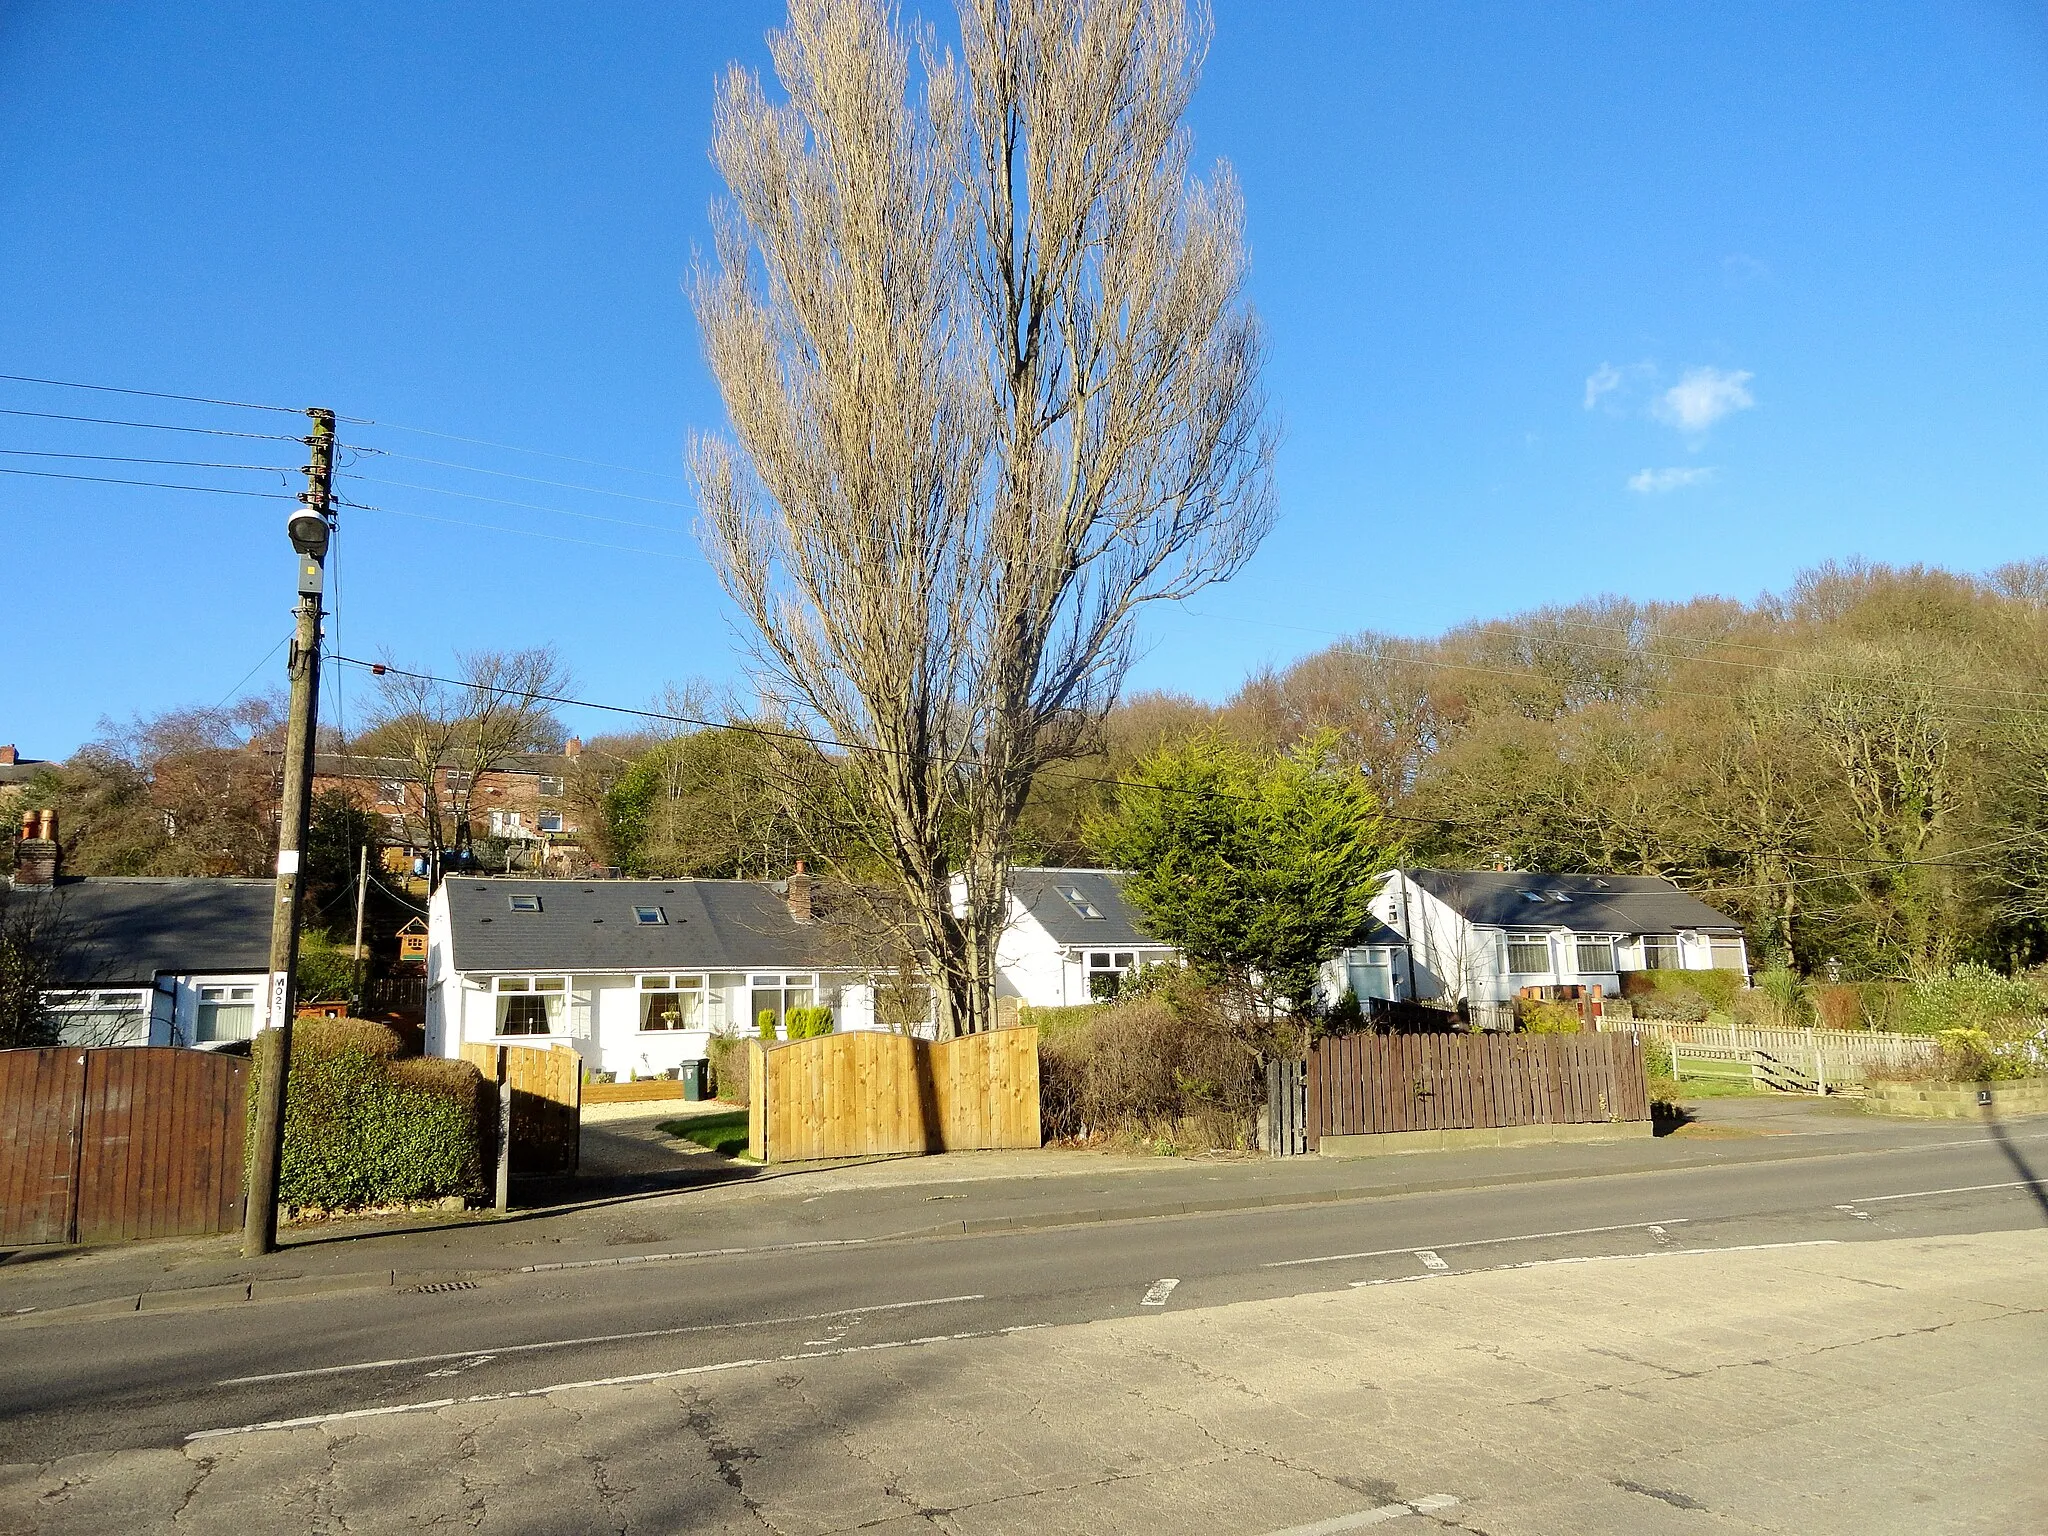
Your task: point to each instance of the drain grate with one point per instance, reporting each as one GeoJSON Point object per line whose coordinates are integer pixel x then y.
{"type": "Point", "coordinates": [436, 1286]}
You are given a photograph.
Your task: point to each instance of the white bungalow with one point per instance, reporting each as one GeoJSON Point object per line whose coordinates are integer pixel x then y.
{"type": "Point", "coordinates": [1070, 937]}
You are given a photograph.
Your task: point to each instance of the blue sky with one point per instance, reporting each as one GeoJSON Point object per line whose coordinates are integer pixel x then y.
{"type": "Point", "coordinates": [1563, 300]}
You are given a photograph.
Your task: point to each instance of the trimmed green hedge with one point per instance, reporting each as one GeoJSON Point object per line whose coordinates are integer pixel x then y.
{"type": "Point", "coordinates": [364, 1128]}
{"type": "Point", "coordinates": [1679, 994]}
{"type": "Point", "coordinates": [807, 1023]}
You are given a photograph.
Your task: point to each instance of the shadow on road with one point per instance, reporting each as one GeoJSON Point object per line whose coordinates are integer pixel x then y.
{"type": "Point", "coordinates": [2017, 1158]}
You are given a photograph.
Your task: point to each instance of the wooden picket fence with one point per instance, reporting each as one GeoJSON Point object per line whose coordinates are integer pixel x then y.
{"type": "Point", "coordinates": [867, 1093]}
{"type": "Point", "coordinates": [1823, 1057]}
{"type": "Point", "coordinates": [1362, 1085]}
{"type": "Point", "coordinates": [105, 1145]}
{"type": "Point", "coordinates": [547, 1101]}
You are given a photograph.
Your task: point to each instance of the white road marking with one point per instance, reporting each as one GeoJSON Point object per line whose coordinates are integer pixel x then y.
{"type": "Point", "coordinates": [695, 1253]}
{"type": "Point", "coordinates": [1430, 1259]}
{"type": "Point", "coordinates": [1859, 1215]}
{"type": "Point", "coordinates": [456, 1370]}
{"type": "Point", "coordinates": [1919, 1194]}
{"type": "Point", "coordinates": [1365, 1517]}
{"type": "Point", "coordinates": [1156, 1297]}
{"type": "Point", "coordinates": [315, 1420]}
{"type": "Point", "coordinates": [1661, 1235]}
{"type": "Point", "coordinates": [1603, 1258]}
{"type": "Point", "coordinates": [1477, 1242]}
{"type": "Point", "coordinates": [599, 1338]}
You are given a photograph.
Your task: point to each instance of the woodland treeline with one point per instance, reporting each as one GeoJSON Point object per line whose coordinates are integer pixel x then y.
{"type": "Point", "coordinates": [1857, 767]}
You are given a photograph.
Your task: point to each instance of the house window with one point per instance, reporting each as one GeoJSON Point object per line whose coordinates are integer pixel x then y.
{"type": "Point", "coordinates": [551, 821]}
{"type": "Point", "coordinates": [649, 917]}
{"type": "Point", "coordinates": [508, 824]}
{"type": "Point", "coordinates": [102, 1018]}
{"type": "Point", "coordinates": [1528, 954]}
{"type": "Point", "coordinates": [671, 1004]}
{"type": "Point", "coordinates": [1106, 970]}
{"type": "Point", "coordinates": [776, 995]}
{"type": "Point", "coordinates": [1595, 956]}
{"type": "Point", "coordinates": [1071, 894]}
{"type": "Point", "coordinates": [530, 1005]}
{"type": "Point", "coordinates": [458, 780]}
{"type": "Point", "coordinates": [523, 903]}
{"type": "Point", "coordinates": [550, 787]}
{"type": "Point", "coordinates": [1727, 953]}
{"type": "Point", "coordinates": [1370, 972]}
{"type": "Point", "coordinates": [1660, 952]}
{"type": "Point", "coordinates": [391, 791]}
{"type": "Point", "coordinates": [225, 1013]}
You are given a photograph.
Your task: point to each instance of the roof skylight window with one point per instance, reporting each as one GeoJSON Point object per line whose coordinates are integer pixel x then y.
{"type": "Point", "coordinates": [651, 917]}
{"type": "Point", "coordinates": [523, 903]}
{"type": "Point", "coordinates": [1080, 903]}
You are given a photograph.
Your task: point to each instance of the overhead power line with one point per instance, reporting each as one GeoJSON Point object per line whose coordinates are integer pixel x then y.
{"type": "Point", "coordinates": [155, 485]}
{"type": "Point", "coordinates": [506, 474]}
{"type": "Point", "coordinates": [150, 394]}
{"type": "Point", "coordinates": [122, 458]}
{"type": "Point", "coordinates": [530, 506]}
{"type": "Point", "coordinates": [479, 442]}
{"type": "Point", "coordinates": [153, 426]}
{"type": "Point", "coordinates": [526, 533]}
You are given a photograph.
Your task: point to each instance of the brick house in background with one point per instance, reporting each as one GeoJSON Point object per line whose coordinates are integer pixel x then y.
{"type": "Point", "coordinates": [524, 802]}
{"type": "Point", "coordinates": [15, 772]}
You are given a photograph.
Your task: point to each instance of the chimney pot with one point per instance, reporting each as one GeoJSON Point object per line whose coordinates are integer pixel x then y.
{"type": "Point", "coordinates": [800, 895]}
{"type": "Point", "coordinates": [8, 756]}
{"type": "Point", "coordinates": [573, 748]}
{"type": "Point", "coordinates": [36, 855]}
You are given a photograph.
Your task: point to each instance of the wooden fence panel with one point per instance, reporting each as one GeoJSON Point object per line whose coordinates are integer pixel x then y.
{"type": "Point", "coordinates": [41, 1093]}
{"type": "Point", "coordinates": [162, 1132]}
{"type": "Point", "coordinates": [867, 1093]}
{"type": "Point", "coordinates": [547, 1101]}
{"type": "Point", "coordinates": [1368, 1084]}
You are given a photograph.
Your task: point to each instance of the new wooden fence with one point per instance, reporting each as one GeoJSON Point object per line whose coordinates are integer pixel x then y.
{"type": "Point", "coordinates": [1361, 1085]}
{"type": "Point", "coordinates": [547, 1101]}
{"type": "Point", "coordinates": [108, 1144]}
{"type": "Point", "coordinates": [867, 1093]}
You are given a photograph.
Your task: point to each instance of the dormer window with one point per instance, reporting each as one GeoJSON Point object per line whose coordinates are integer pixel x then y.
{"type": "Point", "coordinates": [1081, 904]}
{"type": "Point", "coordinates": [523, 903]}
{"type": "Point", "coordinates": [649, 917]}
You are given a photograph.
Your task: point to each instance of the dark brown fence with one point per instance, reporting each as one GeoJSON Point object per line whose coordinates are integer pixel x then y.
{"type": "Point", "coordinates": [1360, 1085]}
{"type": "Point", "coordinates": [104, 1145]}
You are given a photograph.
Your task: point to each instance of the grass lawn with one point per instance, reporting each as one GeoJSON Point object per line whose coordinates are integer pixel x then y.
{"type": "Point", "coordinates": [724, 1134]}
{"type": "Point", "coordinates": [1716, 1079]}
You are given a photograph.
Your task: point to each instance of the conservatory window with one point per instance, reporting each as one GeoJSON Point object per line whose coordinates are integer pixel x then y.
{"type": "Point", "coordinates": [1528, 954]}
{"type": "Point", "coordinates": [1595, 955]}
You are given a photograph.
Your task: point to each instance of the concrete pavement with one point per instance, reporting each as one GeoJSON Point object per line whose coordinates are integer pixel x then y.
{"type": "Point", "coordinates": [1822, 1387]}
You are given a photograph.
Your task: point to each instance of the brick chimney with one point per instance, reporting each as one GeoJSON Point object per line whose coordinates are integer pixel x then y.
{"type": "Point", "coordinates": [36, 856]}
{"type": "Point", "coordinates": [8, 756]}
{"type": "Point", "coordinates": [573, 748]}
{"type": "Point", "coordinates": [800, 895]}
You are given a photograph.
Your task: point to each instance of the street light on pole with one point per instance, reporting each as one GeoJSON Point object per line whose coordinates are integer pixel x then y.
{"type": "Point", "coordinates": [309, 529]}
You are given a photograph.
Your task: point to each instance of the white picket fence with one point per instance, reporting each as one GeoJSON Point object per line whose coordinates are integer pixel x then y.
{"type": "Point", "coordinates": [1830, 1057]}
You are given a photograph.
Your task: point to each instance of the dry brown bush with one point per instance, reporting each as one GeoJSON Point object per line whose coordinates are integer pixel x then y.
{"type": "Point", "coordinates": [1164, 1071]}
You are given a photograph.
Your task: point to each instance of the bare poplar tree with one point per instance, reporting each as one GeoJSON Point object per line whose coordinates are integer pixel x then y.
{"type": "Point", "coordinates": [449, 735]}
{"type": "Point", "coordinates": [992, 386]}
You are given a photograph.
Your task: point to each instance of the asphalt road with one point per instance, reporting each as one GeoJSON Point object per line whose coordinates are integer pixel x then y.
{"type": "Point", "coordinates": [158, 1380]}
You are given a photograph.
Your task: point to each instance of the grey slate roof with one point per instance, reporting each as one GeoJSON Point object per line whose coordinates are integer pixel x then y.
{"type": "Point", "coordinates": [121, 931]}
{"type": "Point", "coordinates": [588, 925]}
{"type": "Point", "coordinates": [1592, 904]}
{"type": "Point", "coordinates": [1038, 891]}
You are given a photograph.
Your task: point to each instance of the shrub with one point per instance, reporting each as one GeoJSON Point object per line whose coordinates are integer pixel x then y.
{"type": "Point", "coordinates": [808, 1023]}
{"type": "Point", "coordinates": [1969, 997]}
{"type": "Point", "coordinates": [1053, 1022]}
{"type": "Point", "coordinates": [362, 1128]}
{"type": "Point", "coordinates": [1999, 1053]}
{"type": "Point", "coordinates": [1837, 1006]}
{"type": "Point", "coordinates": [729, 1057]}
{"type": "Point", "coordinates": [1689, 992]}
{"type": "Point", "coordinates": [764, 1023]}
{"type": "Point", "coordinates": [1164, 1072]}
{"type": "Point", "coordinates": [325, 970]}
{"type": "Point", "coordinates": [1777, 1001]}
{"type": "Point", "coordinates": [1539, 1018]}
{"type": "Point", "coordinates": [1676, 1004]}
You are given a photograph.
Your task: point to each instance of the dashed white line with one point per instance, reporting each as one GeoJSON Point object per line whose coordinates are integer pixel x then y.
{"type": "Point", "coordinates": [1430, 1260]}
{"type": "Point", "coordinates": [694, 1253]}
{"type": "Point", "coordinates": [315, 1420]}
{"type": "Point", "coordinates": [1428, 1504]}
{"type": "Point", "coordinates": [1605, 1258]}
{"type": "Point", "coordinates": [598, 1338]}
{"type": "Point", "coordinates": [1477, 1242]}
{"type": "Point", "coordinates": [1156, 1296]}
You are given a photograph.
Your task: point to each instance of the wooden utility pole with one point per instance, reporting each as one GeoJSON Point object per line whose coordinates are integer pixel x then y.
{"type": "Point", "coordinates": [309, 527]}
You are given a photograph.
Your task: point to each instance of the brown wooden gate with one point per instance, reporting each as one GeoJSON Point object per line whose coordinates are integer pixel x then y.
{"type": "Point", "coordinates": [1362, 1085]}
{"type": "Point", "coordinates": [109, 1144]}
{"type": "Point", "coordinates": [547, 1101]}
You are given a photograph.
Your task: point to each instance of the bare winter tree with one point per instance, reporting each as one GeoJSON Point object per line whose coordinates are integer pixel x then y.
{"type": "Point", "coordinates": [450, 735]}
{"type": "Point", "coordinates": [992, 386]}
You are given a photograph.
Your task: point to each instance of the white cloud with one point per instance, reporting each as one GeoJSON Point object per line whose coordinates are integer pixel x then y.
{"type": "Point", "coordinates": [1703, 396]}
{"type": "Point", "coordinates": [1603, 380]}
{"type": "Point", "coordinates": [1655, 482]}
